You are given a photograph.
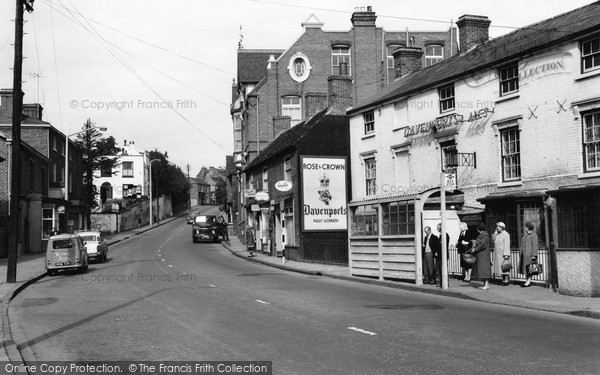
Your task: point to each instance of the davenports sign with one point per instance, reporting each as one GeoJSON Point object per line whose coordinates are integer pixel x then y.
{"type": "Point", "coordinates": [324, 193]}
{"type": "Point", "coordinates": [283, 185]}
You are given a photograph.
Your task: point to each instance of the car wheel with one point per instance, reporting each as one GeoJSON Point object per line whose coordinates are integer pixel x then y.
{"type": "Point", "coordinates": [51, 272]}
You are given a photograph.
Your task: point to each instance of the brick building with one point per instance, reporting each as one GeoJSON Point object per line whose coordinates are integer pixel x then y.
{"type": "Point", "coordinates": [517, 117]}
{"type": "Point", "coordinates": [43, 177]}
{"type": "Point", "coordinates": [274, 84]}
{"type": "Point", "coordinates": [298, 206]}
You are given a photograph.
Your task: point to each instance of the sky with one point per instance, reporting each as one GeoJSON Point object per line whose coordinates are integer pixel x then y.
{"type": "Point", "coordinates": [159, 73]}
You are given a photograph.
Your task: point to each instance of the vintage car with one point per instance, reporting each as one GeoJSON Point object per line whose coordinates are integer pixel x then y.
{"type": "Point", "coordinates": [96, 245]}
{"type": "Point", "coordinates": [66, 251]}
{"type": "Point", "coordinates": [205, 228]}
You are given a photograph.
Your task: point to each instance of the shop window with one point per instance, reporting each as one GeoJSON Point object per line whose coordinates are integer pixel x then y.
{"type": "Point", "coordinates": [371, 176]}
{"type": "Point", "coordinates": [291, 106]}
{"type": "Point", "coordinates": [340, 60]}
{"type": "Point", "coordinates": [47, 222]}
{"type": "Point", "coordinates": [446, 95]}
{"type": "Point", "coordinates": [511, 154]}
{"type": "Point", "coordinates": [590, 55]}
{"type": "Point", "coordinates": [591, 141]}
{"type": "Point", "coordinates": [434, 53]}
{"type": "Point", "coordinates": [364, 220]}
{"type": "Point", "coordinates": [509, 79]}
{"type": "Point", "coordinates": [398, 218]}
{"type": "Point", "coordinates": [369, 119]}
{"type": "Point", "coordinates": [127, 169]}
{"type": "Point", "coordinates": [578, 222]}
{"type": "Point", "coordinates": [515, 215]}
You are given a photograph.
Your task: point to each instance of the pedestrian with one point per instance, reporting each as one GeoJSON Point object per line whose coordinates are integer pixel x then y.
{"type": "Point", "coordinates": [463, 245]}
{"type": "Point", "coordinates": [529, 251]}
{"type": "Point", "coordinates": [429, 244]}
{"type": "Point", "coordinates": [438, 252]}
{"type": "Point", "coordinates": [501, 250]}
{"type": "Point", "coordinates": [483, 265]}
{"type": "Point", "coordinates": [222, 225]}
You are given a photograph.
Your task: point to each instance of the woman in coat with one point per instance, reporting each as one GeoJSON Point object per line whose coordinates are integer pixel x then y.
{"type": "Point", "coordinates": [501, 240]}
{"type": "Point", "coordinates": [529, 250]}
{"type": "Point", "coordinates": [462, 246]}
{"type": "Point", "coordinates": [483, 265]}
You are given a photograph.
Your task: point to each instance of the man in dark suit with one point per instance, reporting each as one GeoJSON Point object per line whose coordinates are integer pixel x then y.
{"type": "Point", "coordinates": [438, 252]}
{"type": "Point", "coordinates": [430, 244]}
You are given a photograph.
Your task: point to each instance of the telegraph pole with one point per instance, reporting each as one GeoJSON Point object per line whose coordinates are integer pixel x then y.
{"type": "Point", "coordinates": [17, 110]}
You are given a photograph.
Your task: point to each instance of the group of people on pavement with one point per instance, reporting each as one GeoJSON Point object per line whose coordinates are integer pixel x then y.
{"type": "Point", "coordinates": [492, 254]}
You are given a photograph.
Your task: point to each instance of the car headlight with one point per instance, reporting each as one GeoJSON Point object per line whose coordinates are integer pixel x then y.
{"type": "Point", "coordinates": [213, 231]}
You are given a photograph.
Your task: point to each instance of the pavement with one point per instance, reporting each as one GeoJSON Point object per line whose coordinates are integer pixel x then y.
{"type": "Point", "coordinates": [30, 268]}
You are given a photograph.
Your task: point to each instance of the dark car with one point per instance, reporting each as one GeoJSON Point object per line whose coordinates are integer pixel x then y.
{"type": "Point", "coordinates": [191, 217]}
{"type": "Point", "coordinates": [205, 228]}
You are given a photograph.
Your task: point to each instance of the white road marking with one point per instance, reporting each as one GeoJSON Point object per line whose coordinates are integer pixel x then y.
{"type": "Point", "coordinates": [163, 260]}
{"type": "Point", "coordinates": [170, 266]}
{"type": "Point", "coordinates": [263, 302]}
{"type": "Point", "coordinates": [212, 286]}
{"type": "Point", "coordinates": [362, 331]}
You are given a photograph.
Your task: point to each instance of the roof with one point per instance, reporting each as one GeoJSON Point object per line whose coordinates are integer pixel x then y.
{"type": "Point", "coordinates": [532, 38]}
{"type": "Point", "coordinates": [291, 137]}
{"type": "Point", "coordinates": [252, 64]}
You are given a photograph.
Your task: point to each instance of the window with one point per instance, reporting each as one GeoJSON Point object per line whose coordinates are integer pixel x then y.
{"type": "Point", "coordinates": [369, 118]}
{"type": "Point", "coordinates": [578, 220]}
{"type": "Point", "coordinates": [292, 107]}
{"type": "Point", "coordinates": [340, 56]}
{"type": "Point", "coordinates": [54, 143]}
{"type": "Point", "coordinates": [237, 139]}
{"type": "Point", "coordinates": [287, 169]}
{"type": "Point", "coordinates": [391, 75]}
{"type": "Point", "coordinates": [127, 169]}
{"type": "Point", "coordinates": [449, 155]}
{"type": "Point", "coordinates": [511, 154]}
{"type": "Point", "coordinates": [364, 220]}
{"type": "Point", "coordinates": [265, 179]}
{"type": "Point", "coordinates": [509, 79]}
{"type": "Point", "coordinates": [299, 67]}
{"type": "Point", "coordinates": [370, 176]}
{"type": "Point", "coordinates": [251, 185]}
{"type": "Point", "coordinates": [398, 218]}
{"type": "Point", "coordinates": [402, 171]}
{"type": "Point", "coordinates": [591, 141]}
{"type": "Point", "coordinates": [237, 123]}
{"type": "Point", "coordinates": [446, 98]}
{"type": "Point", "coordinates": [105, 171]}
{"type": "Point", "coordinates": [47, 222]}
{"type": "Point", "coordinates": [434, 53]}
{"type": "Point", "coordinates": [590, 55]}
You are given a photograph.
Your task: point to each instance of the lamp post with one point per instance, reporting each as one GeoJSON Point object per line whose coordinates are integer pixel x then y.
{"type": "Point", "coordinates": [67, 157]}
{"type": "Point", "coordinates": [151, 204]}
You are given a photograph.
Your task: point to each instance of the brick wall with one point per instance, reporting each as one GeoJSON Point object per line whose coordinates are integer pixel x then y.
{"type": "Point", "coordinates": [280, 124]}
{"type": "Point", "coordinates": [407, 60]}
{"type": "Point", "coordinates": [315, 102]}
{"type": "Point", "coordinates": [472, 30]}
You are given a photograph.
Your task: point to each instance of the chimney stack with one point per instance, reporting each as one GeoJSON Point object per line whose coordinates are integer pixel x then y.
{"type": "Point", "coordinates": [340, 94]}
{"type": "Point", "coordinates": [363, 17]}
{"type": "Point", "coordinates": [33, 111]}
{"type": "Point", "coordinates": [315, 103]}
{"type": "Point", "coordinates": [407, 60]}
{"type": "Point", "coordinates": [472, 31]}
{"type": "Point", "coordinates": [281, 124]}
{"type": "Point", "coordinates": [6, 95]}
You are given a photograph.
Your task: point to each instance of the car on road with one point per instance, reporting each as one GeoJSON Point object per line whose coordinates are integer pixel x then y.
{"type": "Point", "coordinates": [66, 251]}
{"type": "Point", "coordinates": [97, 247]}
{"type": "Point", "coordinates": [205, 228]}
{"type": "Point", "coordinates": [191, 217]}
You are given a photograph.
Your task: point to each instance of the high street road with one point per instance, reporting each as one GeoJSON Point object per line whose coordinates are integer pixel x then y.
{"type": "Point", "coordinates": [162, 297]}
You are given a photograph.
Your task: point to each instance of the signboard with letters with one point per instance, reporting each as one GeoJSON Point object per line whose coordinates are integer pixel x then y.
{"type": "Point", "coordinates": [324, 193]}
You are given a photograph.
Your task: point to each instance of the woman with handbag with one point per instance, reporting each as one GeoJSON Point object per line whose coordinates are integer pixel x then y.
{"type": "Point", "coordinates": [462, 246]}
{"type": "Point", "coordinates": [529, 251]}
{"type": "Point", "coordinates": [483, 266]}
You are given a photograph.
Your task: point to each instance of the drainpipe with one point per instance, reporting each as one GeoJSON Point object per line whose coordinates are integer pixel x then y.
{"type": "Point", "coordinates": [257, 121]}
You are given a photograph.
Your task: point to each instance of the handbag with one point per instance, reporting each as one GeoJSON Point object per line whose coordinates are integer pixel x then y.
{"type": "Point", "coordinates": [534, 269]}
{"type": "Point", "coordinates": [506, 266]}
{"type": "Point", "coordinates": [469, 258]}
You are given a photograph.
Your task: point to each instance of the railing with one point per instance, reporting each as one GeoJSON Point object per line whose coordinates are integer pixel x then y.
{"type": "Point", "coordinates": [543, 259]}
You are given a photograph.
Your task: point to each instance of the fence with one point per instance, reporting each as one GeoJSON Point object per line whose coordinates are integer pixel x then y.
{"type": "Point", "coordinates": [543, 259]}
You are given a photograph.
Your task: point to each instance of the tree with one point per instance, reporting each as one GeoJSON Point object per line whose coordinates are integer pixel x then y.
{"type": "Point", "coordinates": [98, 153]}
{"type": "Point", "coordinates": [168, 179]}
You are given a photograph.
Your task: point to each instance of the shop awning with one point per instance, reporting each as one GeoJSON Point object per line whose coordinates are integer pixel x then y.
{"type": "Point", "coordinates": [514, 195]}
{"type": "Point", "coordinates": [574, 188]}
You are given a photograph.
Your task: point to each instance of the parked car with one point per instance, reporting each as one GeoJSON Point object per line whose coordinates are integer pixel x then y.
{"type": "Point", "coordinates": [205, 228]}
{"type": "Point", "coordinates": [191, 217]}
{"type": "Point", "coordinates": [97, 247]}
{"type": "Point", "coordinates": [66, 251]}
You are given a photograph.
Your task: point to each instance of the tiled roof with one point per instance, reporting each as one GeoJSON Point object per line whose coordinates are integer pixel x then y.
{"type": "Point", "coordinates": [291, 137]}
{"type": "Point", "coordinates": [252, 64]}
{"type": "Point", "coordinates": [532, 38]}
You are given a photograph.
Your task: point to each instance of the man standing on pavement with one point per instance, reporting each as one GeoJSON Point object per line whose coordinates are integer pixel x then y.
{"type": "Point", "coordinates": [438, 252]}
{"type": "Point", "coordinates": [430, 242]}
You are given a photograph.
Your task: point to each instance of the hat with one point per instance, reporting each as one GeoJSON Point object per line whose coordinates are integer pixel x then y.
{"type": "Point", "coordinates": [501, 224]}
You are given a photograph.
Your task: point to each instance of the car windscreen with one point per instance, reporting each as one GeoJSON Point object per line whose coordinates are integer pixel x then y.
{"type": "Point", "coordinates": [62, 244]}
{"type": "Point", "coordinates": [89, 238]}
{"type": "Point", "coordinates": [205, 221]}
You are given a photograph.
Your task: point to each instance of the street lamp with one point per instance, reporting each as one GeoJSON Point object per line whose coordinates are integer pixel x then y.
{"type": "Point", "coordinates": [67, 157]}
{"type": "Point", "coordinates": [150, 163]}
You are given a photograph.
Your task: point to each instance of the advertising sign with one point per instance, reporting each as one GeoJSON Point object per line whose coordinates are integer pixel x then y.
{"type": "Point", "coordinates": [261, 196]}
{"type": "Point", "coordinates": [283, 185]}
{"type": "Point", "coordinates": [324, 193]}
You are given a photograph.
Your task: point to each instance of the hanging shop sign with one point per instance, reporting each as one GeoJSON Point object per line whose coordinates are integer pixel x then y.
{"type": "Point", "coordinates": [283, 185]}
{"type": "Point", "coordinates": [255, 208]}
{"type": "Point", "coordinates": [324, 193]}
{"type": "Point", "coordinates": [261, 196]}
